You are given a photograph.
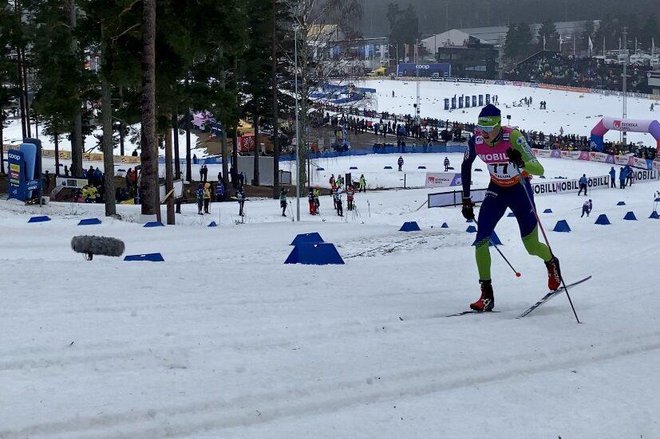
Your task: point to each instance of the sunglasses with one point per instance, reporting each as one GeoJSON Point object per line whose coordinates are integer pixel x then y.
{"type": "Point", "coordinates": [486, 128]}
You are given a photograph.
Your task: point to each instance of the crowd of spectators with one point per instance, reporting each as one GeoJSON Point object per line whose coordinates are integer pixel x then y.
{"type": "Point", "coordinates": [572, 142]}
{"type": "Point", "coordinates": [554, 68]}
{"type": "Point", "coordinates": [429, 130]}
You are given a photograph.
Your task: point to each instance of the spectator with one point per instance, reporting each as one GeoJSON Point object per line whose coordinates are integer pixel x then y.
{"type": "Point", "coordinates": [199, 196]}
{"type": "Point", "coordinates": [240, 196]}
{"type": "Point", "coordinates": [446, 164]}
{"type": "Point", "coordinates": [630, 175]}
{"type": "Point", "coordinates": [350, 194]}
{"type": "Point", "coordinates": [220, 191]}
{"type": "Point", "coordinates": [622, 178]}
{"type": "Point", "coordinates": [400, 162]}
{"type": "Point", "coordinates": [283, 202]}
{"type": "Point", "coordinates": [612, 178]}
{"type": "Point", "coordinates": [583, 184]}
{"type": "Point", "coordinates": [362, 184]}
{"type": "Point", "coordinates": [207, 196]}
{"type": "Point", "coordinates": [312, 203]}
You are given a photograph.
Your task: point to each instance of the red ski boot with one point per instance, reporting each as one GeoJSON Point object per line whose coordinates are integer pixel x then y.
{"type": "Point", "coordinates": [487, 301]}
{"type": "Point", "coordinates": [554, 273]}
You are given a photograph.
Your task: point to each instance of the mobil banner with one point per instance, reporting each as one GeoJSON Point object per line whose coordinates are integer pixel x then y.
{"type": "Point", "coordinates": [442, 179]}
{"type": "Point", "coordinates": [568, 186]}
{"type": "Point", "coordinates": [644, 175]}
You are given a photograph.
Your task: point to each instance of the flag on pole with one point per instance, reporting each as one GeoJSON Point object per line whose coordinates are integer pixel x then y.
{"type": "Point", "coordinates": [591, 46]}
{"type": "Point", "coordinates": [543, 41]}
{"type": "Point", "coordinates": [405, 52]}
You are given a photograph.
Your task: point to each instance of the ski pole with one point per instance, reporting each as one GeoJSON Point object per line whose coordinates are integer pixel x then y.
{"type": "Point", "coordinates": [504, 257]}
{"type": "Point", "coordinates": [545, 238]}
{"type": "Point", "coordinates": [517, 273]}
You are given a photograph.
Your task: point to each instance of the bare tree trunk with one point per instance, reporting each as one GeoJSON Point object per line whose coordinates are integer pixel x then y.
{"type": "Point", "coordinates": [25, 92]}
{"type": "Point", "coordinates": [257, 151]}
{"type": "Point", "coordinates": [169, 180]}
{"type": "Point", "coordinates": [177, 163]}
{"type": "Point", "coordinates": [2, 147]}
{"type": "Point", "coordinates": [149, 153]}
{"type": "Point", "coordinates": [76, 136]}
{"type": "Point", "coordinates": [225, 165]}
{"type": "Point", "coordinates": [108, 157]}
{"type": "Point", "coordinates": [276, 143]}
{"type": "Point", "coordinates": [234, 158]}
{"type": "Point", "coordinates": [223, 153]}
{"type": "Point", "coordinates": [188, 146]}
{"type": "Point", "coordinates": [57, 154]}
{"type": "Point", "coordinates": [121, 123]}
{"type": "Point", "coordinates": [18, 10]}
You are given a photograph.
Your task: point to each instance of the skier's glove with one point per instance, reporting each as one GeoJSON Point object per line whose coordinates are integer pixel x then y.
{"type": "Point", "coordinates": [468, 208]}
{"type": "Point", "coordinates": [515, 157]}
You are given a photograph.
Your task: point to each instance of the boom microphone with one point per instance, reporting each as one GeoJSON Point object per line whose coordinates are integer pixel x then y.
{"type": "Point", "coordinates": [97, 245]}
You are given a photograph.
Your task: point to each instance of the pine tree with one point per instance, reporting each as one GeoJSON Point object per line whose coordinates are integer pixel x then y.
{"type": "Point", "coordinates": [547, 37]}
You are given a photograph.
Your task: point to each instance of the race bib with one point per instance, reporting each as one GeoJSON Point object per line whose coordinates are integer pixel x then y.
{"type": "Point", "coordinates": [505, 174]}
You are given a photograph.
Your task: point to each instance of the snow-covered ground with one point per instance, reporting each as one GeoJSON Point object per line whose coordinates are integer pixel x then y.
{"type": "Point", "coordinates": [222, 340]}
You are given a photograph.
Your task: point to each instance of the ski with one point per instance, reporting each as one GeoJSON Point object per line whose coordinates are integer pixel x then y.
{"type": "Point", "coordinates": [550, 295]}
{"type": "Point", "coordinates": [469, 311]}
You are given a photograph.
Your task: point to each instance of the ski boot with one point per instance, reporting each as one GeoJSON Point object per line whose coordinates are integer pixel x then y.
{"type": "Point", "coordinates": [487, 301]}
{"type": "Point", "coordinates": [554, 274]}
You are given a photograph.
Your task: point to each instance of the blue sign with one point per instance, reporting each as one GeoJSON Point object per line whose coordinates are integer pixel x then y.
{"type": "Point", "coordinates": [17, 183]}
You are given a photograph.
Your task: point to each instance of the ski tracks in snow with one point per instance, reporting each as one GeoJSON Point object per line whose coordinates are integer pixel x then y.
{"type": "Point", "coordinates": [322, 396]}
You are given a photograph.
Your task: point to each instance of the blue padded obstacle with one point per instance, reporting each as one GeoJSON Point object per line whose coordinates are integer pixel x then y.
{"type": "Point", "coordinates": [353, 167]}
{"type": "Point", "coordinates": [307, 238]}
{"type": "Point", "coordinates": [89, 221]}
{"type": "Point", "coordinates": [320, 169]}
{"type": "Point", "coordinates": [409, 226]}
{"type": "Point", "coordinates": [562, 226]}
{"type": "Point", "coordinates": [387, 167]}
{"type": "Point", "coordinates": [213, 224]}
{"type": "Point", "coordinates": [547, 211]}
{"type": "Point", "coordinates": [654, 215]}
{"type": "Point", "coordinates": [621, 203]}
{"type": "Point", "coordinates": [444, 226]}
{"type": "Point", "coordinates": [630, 216]}
{"type": "Point", "coordinates": [471, 229]}
{"type": "Point", "coordinates": [510, 215]}
{"type": "Point", "coordinates": [602, 220]}
{"type": "Point", "coordinates": [322, 253]}
{"type": "Point", "coordinates": [150, 257]}
{"type": "Point", "coordinates": [421, 167]}
{"type": "Point", "coordinates": [154, 224]}
{"type": "Point", "coordinates": [39, 219]}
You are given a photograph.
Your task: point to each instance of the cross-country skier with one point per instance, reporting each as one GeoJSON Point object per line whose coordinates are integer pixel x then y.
{"type": "Point", "coordinates": [510, 163]}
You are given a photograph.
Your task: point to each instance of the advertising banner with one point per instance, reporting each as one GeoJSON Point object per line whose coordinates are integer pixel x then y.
{"type": "Point", "coordinates": [454, 198]}
{"type": "Point", "coordinates": [17, 186]}
{"type": "Point", "coordinates": [442, 179]}
{"type": "Point", "coordinates": [599, 157]}
{"type": "Point", "coordinates": [644, 175]}
{"type": "Point", "coordinates": [568, 186]}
